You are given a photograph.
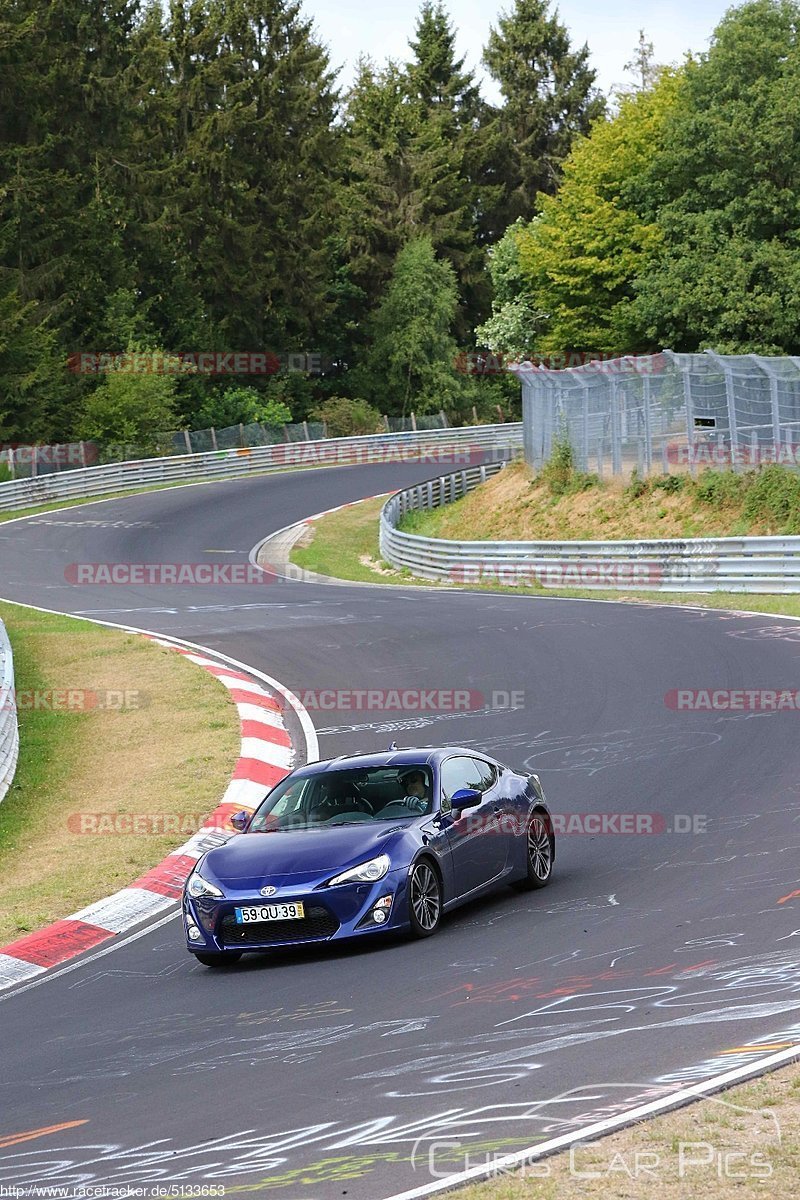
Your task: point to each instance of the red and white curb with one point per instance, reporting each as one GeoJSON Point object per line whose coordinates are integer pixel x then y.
{"type": "Point", "coordinates": [266, 755]}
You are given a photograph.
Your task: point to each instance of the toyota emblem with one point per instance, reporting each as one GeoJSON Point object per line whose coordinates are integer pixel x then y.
{"type": "Point", "coordinates": [268, 891]}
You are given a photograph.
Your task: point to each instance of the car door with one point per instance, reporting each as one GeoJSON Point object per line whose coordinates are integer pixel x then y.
{"type": "Point", "coordinates": [477, 844]}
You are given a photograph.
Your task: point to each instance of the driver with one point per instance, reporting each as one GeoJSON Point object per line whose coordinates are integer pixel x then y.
{"type": "Point", "coordinates": [415, 792]}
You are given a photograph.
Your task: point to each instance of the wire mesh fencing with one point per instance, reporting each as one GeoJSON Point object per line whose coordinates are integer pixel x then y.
{"type": "Point", "coordinates": [665, 412]}
{"type": "Point", "coordinates": [26, 461]}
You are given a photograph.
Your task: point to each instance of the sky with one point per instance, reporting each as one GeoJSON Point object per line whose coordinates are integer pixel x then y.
{"type": "Point", "coordinates": [610, 27]}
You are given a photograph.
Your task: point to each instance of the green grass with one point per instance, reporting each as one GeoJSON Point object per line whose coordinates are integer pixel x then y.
{"type": "Point", "coordinates": [171, 752]}
{"type": "Point", "coordinates": [348, 545]}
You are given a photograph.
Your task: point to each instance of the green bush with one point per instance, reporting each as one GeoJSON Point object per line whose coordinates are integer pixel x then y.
{"type": "Point", "coordinates": [773, 494]}
{"type": "Point", "coordinates": [720, 487]}
{"type": "Point", "coordinates": [637, 487]}
{"type": "Point", "coordinates": [347, 418]}
{"type": "Point", "coordinates": [560, 474]}
{"type": "Point", "coordinates": [670, 483]}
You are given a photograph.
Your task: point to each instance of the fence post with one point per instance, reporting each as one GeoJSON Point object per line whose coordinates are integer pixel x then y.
{"type": "Point", "coordinates": [776, 415]}
{"type": "Point", "coordinates": [474, 415]}
{"type": "Point", "coordinates": [214, 438]}
{"type": "Point", "coordinates": [305, 431]}
{"type": "Point", "coordinates": [34, 461]}
{"type": "Point", "coordinates": [385, 422]}
{"type": "Point", "coordinates": [585, 426]}
{"type": "Point", "coordinates": [444, 418]}
{"type": "Point", "coordinates": [648, 425]}
{"type": "Point", "coordinates": [616, 436]}
{"type": "Point", "coordinates": [11, 465]}
{"type": "Point", "coordinates": [241, 435]}
{"type": "Point", "coordinates": [600, 457]}
{"type": "Point", "coordinates": [688, 402]}
{"type": "Point", "coordinates": [414, 422]}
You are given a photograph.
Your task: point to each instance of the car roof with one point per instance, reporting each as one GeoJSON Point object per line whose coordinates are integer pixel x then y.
{"type": "Point", "coordinates": [403, 756]}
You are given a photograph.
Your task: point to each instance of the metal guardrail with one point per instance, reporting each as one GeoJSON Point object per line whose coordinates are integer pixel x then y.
{"type": "Point", "coordinates": [747, 564]}
{"type": "Point", "coordinates": [438, 446]}
{"type": "Point", "coordinates": [9, 732]}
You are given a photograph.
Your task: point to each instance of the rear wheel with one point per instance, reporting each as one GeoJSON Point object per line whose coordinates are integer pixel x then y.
{"type": "Point", "coordinates": [424, 900]}
{"type": "Point", "coordinates": [539, 843]}
{"type": "Point", "coordinates": [221, 958]}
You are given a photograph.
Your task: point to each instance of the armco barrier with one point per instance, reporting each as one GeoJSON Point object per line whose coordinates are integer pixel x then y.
{"type": "Point", "coordinates": [9, 733]}
{"type": "Point", "coordinates": [748, 564]}
{"type": "Point", "coordinates": [437, 446]}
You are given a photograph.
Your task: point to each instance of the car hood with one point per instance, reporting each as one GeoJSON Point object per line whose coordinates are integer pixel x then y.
{"type": "Point", "coordinates": [300, 856]}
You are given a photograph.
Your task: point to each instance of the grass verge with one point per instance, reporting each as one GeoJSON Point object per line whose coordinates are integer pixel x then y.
{"type": "Point", "coordinates": [109, 723]}
{"type": "Point", "coordinates": [345, 545]}
{"type": "Point", "coordinates": [743, 1142]}
{"type": "Point", "coordinates": [561, 503]}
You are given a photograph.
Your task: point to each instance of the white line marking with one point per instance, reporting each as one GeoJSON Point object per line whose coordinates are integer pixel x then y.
{"type": "Point", "coordinates": [598, 1128]}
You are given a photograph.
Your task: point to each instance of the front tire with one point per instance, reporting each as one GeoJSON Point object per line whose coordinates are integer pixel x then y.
{"type": "Point", "coordinates": [540, 853]}
{"type": "Point", "coordinates": [424, 900]}
{"type": "Point", "coordinates": [221, 958]}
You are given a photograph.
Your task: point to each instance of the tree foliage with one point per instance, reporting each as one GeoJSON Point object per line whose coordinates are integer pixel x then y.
{"type": "Point", "coordinates": [723, 190]}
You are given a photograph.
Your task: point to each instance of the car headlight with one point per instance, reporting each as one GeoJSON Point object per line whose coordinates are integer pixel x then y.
{"type": "Point", "coordinates": [197, 886]}
{"type": "Point", "coordinates": [368, 872]}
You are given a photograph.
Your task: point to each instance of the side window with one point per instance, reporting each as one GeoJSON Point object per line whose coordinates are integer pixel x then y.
{"type": "Point", "coordinates": [487, 774]}
{"type": "Point", "coordinates": [460, 773]}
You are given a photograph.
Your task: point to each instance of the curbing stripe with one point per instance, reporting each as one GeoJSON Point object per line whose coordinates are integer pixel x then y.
{"type": "Point", "coordinates": [58, 942]}
{"type": "Point", "coordinates": [255, 771]}
{"type": "Point", "coordinates": [265, 757]}
{"type": "Point", "coordinates": [14, 970]}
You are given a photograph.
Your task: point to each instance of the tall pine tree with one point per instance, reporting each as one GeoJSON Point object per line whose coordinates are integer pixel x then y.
{"type": "Point", "coordinates": [548, 99]}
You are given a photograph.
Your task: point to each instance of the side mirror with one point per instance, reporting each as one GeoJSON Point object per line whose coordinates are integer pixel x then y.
{"type": "Point", "coordinates": [466, 798]}
{"type": "Point", "coordinates": [241, 820]}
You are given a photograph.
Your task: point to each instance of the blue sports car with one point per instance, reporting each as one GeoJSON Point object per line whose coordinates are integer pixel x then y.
{"type": "Point", "coordinates": [362, 844]}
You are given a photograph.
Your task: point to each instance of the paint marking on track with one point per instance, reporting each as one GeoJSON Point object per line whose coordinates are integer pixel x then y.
{"type": "Point", "coordinates": [13, 1139]}
{"type": "Point", "coordinates": [761, 1046]}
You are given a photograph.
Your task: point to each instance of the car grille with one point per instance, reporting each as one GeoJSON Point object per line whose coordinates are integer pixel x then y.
{"type": "Point", "coordinates": [318, 923]}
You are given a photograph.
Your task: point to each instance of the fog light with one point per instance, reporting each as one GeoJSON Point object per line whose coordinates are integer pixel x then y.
{"type": "Point", "coordinates": [380, 911]}
{"type": "Point", "coordinates": [194, 934]}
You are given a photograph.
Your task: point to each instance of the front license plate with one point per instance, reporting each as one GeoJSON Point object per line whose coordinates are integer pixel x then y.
{"type": "Point", "coordinates": [270, 912]}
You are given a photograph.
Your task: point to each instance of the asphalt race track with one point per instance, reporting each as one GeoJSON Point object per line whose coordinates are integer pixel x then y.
{"type": "Point", "coordinates": [651, 960]}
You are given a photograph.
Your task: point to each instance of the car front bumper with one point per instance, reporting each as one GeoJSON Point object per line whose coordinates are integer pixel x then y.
{"type": "Point", "coordinates": [331, 914]}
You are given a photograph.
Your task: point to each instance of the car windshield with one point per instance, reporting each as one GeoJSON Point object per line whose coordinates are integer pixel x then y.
{"type": "Point", "coordinates": [345, 796]}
